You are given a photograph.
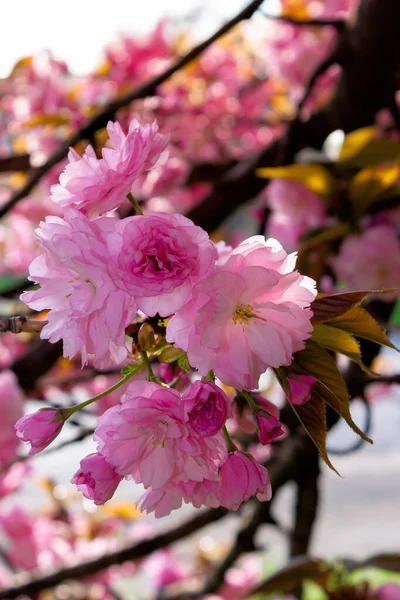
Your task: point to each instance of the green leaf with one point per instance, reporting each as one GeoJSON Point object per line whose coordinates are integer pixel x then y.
{"type": "Point", "coordinates": [170, 355]}
{"type": "Point", "coordinates": [316, 177]}
{"type": "Point", "coordinates": [328, 306]}
{"type": "Point", "coordinates": [312, 415]}
{"type": "Point", "coordinates": [360, 323]}
{"type": "Point", "coordinates": [338, 340]}
{"type": "Point", "coordinates": [370, 184]}
{"type": "Point", "coordinates": [146, 337]}
{"type": "Point", "coordinates": [361, 149]}
{"type": "Point", "coordinates": [131, 369]}
{"type": "Point", "coordinates": [9, 282]}
{"type": "Point", "coordinates": [395, 315]}
{"type": "Point", "coordinates": [289, 578]}
{"type": "Point", "coordinates": [316, 361]}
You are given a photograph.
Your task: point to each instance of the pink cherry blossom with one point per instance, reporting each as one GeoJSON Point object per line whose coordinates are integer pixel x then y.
{"type": "Point", "coordinates": [390, 591]}
{"type": "Point", "coordinates": [96, 186]}
{"type": "Point", "coordinates": [164, 569]}
{"type": "Point", "coordinates": [87, 311]}
{"type": "Point", "coordinates": [370, 261]}
{"type": "Point", "coordinates": [96, 479]}
{"type": "Point", "coordinates": [243, 415]}
{"type": "Point", "coordinates": [205, 407]}
{"type": "Point", "coordinates": [300, 388]}
{"type": "Point", "coordinates": [253, 312]}
{"type": "Point", "coordinates": [295, 211]}
{"type": "Point", "coordinates": [163, 500]}
{"type": "Point", "coordinates": [39, 429]}
{"type": "Point", "coordinates": [11, 409]}
{"type": "Point", "coordinates": [13, 478]}
{"type": "Point", "coordinates": [241, 478]}
{"type": "Point", "coordinates": [147, 439]}
{"type": "Point", "coordinates": [158, 258]}
{"type": "Point", "coordinates": [269, 429]}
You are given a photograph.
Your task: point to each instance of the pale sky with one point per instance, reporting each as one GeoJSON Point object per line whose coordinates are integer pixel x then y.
{"type": "Point", "coordinates": [77, 30]}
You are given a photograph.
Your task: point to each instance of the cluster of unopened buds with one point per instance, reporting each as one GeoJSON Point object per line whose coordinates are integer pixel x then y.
{"type": "Point", "coordinates": [223, 313]}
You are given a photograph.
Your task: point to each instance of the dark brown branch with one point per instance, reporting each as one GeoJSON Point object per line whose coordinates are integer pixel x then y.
{"type": "Point", "coordinates": [338, 24]}
{"type": "Point", "coordinates": [370, 57]}
{"type": "Point", "coordinates": [80, 436]}
{"type": "Point", "coordinates": [21, 323]}
{"type": "Point", "coordinates": [306, 506]}
{"type": "Point", "coordinates": [101, 119]}
{"type": "Point", "coordinates": [130, 553]}
{"type": "Point", "coordinates": [15, 162]}
{"type": "Point", "coordinates": [37, 361]}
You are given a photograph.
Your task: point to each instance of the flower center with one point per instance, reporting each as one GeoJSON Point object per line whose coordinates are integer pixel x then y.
{"type": "Point", "coordinates": [243, 313]}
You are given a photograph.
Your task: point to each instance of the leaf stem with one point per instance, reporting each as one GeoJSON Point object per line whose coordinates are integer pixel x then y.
{"type": "Point", "coordinates": [134, 203]}
{"type": "Point", "coordinates": [228, 440]}
{"type": "Point", "coordinates": [147, 366]}
{"type": "Point", "coordinates": [66, 413]}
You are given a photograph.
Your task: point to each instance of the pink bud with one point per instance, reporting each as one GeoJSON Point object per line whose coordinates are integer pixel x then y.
{"type": "Point", "coordinates": [40, 428]}
{"type": "Point", "coordinates": [269, 429]}
{"type": "Point", "coordinates": [241, 478]}
{"type": "Point", "coordinates": [96, 479]}
{"type": "Point", "coordinates": [206, 407]}
{"type": "Point", "coordinates": [300, 388]}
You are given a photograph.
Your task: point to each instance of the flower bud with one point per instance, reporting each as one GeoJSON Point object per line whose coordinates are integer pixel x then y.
{"type": "Point", "coordinates": [96, 479]}
{"type": "Point", "coordinates": [300, 388]}
{"type": "Point", "coordinates": [40, 428]}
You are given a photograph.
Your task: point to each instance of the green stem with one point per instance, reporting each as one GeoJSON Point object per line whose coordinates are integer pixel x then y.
{"type": "Point", "coordinates": [228, 440]}
{"type": "Point", "coordinates": [147, 366]}
{"type": "Point", "coordinates": [70, 411]}
{"type": "Point", "coordinates": [176, 383]}
{"type": "Point", "coordinates": [253, 405]}
{"type": "Point", "coordinates": [134, 203]}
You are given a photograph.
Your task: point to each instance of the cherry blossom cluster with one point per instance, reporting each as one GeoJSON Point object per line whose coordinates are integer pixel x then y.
{"type": "Point", "coordinates": [232, 312]}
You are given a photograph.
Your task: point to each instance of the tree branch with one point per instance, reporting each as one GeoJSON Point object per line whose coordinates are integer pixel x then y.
{"type": "Point", "coordinates": [101, 119]}
{"type": "Point", "coordinates": [15, 162]}
{"type": "Point", "coordinates": [368, 81]}
{"type": "Point", "coordinates": [129, 553]}
{"type": "Point", "coordinates": [338, 24]}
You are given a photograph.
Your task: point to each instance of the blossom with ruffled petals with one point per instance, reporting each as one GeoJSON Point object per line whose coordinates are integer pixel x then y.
{"type": "Point", "coordinates": [206, 407]}
{"type": "Point", "coordinates": [87, 311]}
{"type": "Point", "coordinates": [95, 186]}
{"type": "Point", "coordinates": [158, 258]}
{"type": "Point", "coordinates": [147, 439]}
{"type": "Point", "coordinates": [96, 479]}
{"type": "Point", "coordinates": [241, 478]}
{"type": "Point", "coordinates": [251, 313]}
{"type": "Point", "coordinates": [40, 429]}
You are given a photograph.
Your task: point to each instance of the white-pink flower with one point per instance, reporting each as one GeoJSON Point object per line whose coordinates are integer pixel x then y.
{"type": "Point", "coordinates": [158, 258]}
{"type": "Point", "coordinates": [295, 210]}
{"type": "Point", "coordinates": [96, 186]}
{"type": "Point", "coordinates": [252, 313]}
{"type": "Point", "coordinates": [370, 261]}
{"type": "Point", "coordinates": [87, 311]}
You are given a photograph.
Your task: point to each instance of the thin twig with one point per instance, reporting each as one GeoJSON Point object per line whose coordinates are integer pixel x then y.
{"type": "Point", "coordinates": [339, 24]}
{"type": "Point", "coordinates": [82, 435]}
{"type": "Point", "coordinates": [101, 119]}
